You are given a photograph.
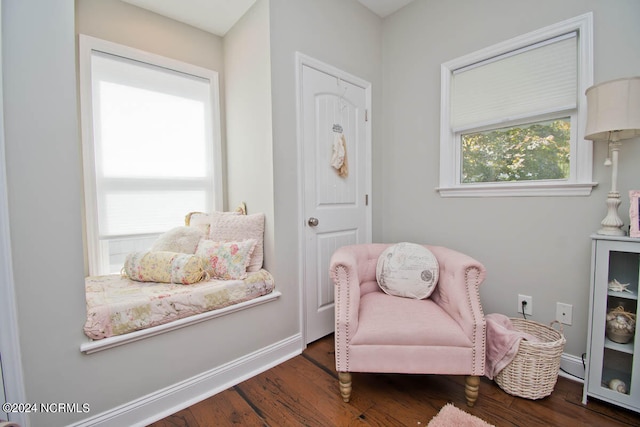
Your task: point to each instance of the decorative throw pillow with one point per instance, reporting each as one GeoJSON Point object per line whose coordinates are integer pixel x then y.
{"type": "Point", "coordinates": [180, 239]}
{"type": "Point", "coordinates": [226, 260]}
{"type": "Point", "coordinates": [407, 270]}
{"type": "Point", "coordinates": [235, 228]}
{"type": "Point", "coordinates": [198, 220]}
{"type": "Point", "coordinates": [164, 267]}
{"type": "Point", "coordinates": [202, 220]}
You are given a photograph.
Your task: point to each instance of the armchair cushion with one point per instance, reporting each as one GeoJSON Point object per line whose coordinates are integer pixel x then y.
{"type": "Point", "coordinates": [407, 270]}
{"type": "Point", "coordinates": [394, 321]}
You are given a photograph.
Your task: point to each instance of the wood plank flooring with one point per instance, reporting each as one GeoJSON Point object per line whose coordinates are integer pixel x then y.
{"type": "Point", "coordinates": [304, 392]}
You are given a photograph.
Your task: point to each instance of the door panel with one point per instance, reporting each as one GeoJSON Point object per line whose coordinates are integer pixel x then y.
{"type": "Point", "coordinates": [331, 106]}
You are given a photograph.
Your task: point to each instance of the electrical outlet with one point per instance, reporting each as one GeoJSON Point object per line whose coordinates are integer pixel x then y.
{"type": "Point", "coordinates": [564, 313]}
{"type": "Point", "coordinates": [528, 308]}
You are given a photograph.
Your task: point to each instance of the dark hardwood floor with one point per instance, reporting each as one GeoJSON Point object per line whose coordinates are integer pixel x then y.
{"type": "Point", "coordinates": [304, 392]}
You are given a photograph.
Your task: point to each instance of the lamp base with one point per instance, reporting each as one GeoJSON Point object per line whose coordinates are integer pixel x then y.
{"type": "Point", "coordinates": [612, 224]}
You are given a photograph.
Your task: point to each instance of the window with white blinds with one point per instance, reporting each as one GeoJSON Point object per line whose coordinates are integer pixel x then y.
{"type": "Point", "coordinates": [526, 93]}
{"type": "Point", "coordinates": [150, 147]}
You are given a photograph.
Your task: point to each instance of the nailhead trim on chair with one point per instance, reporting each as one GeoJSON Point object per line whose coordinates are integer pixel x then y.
{"type": "Point", "coordinates": [475, 320]}
{"type": "Point", "coordinates": [473, 342]}
{"type": "Point", "coordinates": [345, 271]}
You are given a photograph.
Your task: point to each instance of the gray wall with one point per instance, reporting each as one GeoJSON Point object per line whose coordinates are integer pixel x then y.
{"type": "Point", "coordinates": [537, 246]}
{"type": "Point", "coordinates": [44, 190]}
{"type": "Point", "coordinates": [132, 26]}
{"type": "Point", "coordinates": [247, 64]}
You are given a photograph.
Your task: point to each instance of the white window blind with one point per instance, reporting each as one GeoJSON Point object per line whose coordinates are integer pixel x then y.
{"type": "Point", "coordinates": [534, 80]}
{"type": "Point", "coordinates": [153, 156]}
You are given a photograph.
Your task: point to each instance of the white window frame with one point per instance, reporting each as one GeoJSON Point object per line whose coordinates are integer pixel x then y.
{"type": "Point", "coordinates": [87, 45]}
{"type": "Point", "coordinates": [579, 182]}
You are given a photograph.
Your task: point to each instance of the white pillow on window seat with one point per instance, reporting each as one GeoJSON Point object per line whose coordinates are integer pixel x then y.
{"type": "Point", "coordinates": [180, 239]}
{"type": "Point", "coordinates": [202, 220]}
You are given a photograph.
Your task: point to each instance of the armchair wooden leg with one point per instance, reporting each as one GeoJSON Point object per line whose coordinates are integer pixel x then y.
{"type": "Point", "coordinates": [345, 385]}
{"type": "Point", "coordinates": [471, 387]}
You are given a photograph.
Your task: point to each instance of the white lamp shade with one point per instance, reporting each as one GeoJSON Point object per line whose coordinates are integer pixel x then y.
{"type": "Point", "coordinates": [613, 106]}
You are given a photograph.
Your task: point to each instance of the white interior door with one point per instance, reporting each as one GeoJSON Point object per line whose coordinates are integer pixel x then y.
{"type": "Point", "coordinates": [336, 200]}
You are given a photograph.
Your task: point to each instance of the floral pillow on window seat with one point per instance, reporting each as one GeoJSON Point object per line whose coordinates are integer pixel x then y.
{"type": "Point", "coordinates": [236, 228]}
{"type": "Point", "coordinates": [226, 260]}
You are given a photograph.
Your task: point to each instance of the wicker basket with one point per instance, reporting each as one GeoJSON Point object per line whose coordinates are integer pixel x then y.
{"type": "Point", "coordinates": [533, 372]}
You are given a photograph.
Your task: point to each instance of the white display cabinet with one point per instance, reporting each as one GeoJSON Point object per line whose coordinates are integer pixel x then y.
{"type": "Point", "coordinates": [613, 369]}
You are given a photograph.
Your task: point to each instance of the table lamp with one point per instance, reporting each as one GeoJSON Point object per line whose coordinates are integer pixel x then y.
{"type": "Point", "coordinates": [613, 115]}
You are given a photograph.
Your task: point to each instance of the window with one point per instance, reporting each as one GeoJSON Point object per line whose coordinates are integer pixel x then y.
{"type": "Point", "coordinates": [151, 147]}
{"type": "Point", "coordinates": [513, 116]}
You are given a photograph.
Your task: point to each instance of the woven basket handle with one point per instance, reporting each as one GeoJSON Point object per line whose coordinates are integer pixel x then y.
{"type": "Point", "coordinates": [555, 322]}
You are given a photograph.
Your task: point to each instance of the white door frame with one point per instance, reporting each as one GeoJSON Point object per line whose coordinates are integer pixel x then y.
{"type": "Point", "coordinates": [301, 61]}
{"type": "Point", "coordinates": [9, 340]}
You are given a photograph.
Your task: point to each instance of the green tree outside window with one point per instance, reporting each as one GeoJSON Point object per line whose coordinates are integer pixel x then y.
{"type": "Point", "coordinates": [538, 151]}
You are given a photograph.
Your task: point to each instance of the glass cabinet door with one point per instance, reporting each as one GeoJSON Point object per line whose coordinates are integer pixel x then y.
{"type": "Point", "coordinates": [614, 366]}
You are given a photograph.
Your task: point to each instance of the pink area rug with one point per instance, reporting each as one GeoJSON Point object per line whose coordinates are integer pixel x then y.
{"type": "Point", "coordinates": [450, 416]}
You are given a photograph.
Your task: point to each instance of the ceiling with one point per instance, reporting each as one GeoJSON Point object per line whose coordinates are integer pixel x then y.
{"type": "Point", "coordinates": [384, 8]}
{"type": "Point", "coordinates": [218, 16]}
{"type": "Point", "coordinates": [214, 16]}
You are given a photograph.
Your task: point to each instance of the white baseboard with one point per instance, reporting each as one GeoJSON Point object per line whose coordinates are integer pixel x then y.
{"type": "Point", "coordinates": [164, 402]}
{"type": "Point", "coordinates": [571, 367]}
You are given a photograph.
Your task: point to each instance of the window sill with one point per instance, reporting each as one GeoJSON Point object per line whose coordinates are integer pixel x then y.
{"type": "Point", "coordinates": [518, 190]}
{"type": "Point", "coordinates": [118, 340]}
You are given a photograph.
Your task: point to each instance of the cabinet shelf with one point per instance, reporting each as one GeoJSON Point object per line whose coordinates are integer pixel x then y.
{"type": "Point", "coordinates": [624, 348]}
{"type": "Point", "coordinates": [625, 295]}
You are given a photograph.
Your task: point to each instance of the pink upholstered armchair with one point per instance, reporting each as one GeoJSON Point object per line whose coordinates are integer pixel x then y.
{"type": "Point", "coordinates": [376, 332]}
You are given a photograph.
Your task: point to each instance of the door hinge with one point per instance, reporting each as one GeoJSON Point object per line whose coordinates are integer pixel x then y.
{"type": "Point", "coordinates": [366, 115]}
{"type": "Point", "coordinates": [366, 200]}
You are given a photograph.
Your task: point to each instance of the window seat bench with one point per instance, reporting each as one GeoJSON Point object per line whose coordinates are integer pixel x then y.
{"type": "Point", "coordinates": [117, 305]}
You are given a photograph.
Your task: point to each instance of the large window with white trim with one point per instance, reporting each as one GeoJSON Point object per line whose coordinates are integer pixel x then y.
{"type": "Point", "coordinates": [151, 147]}
{"type": "Point", "coordinates": [513, 116]}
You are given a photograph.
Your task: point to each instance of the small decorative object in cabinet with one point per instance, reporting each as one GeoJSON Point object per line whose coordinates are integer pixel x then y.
{"type": "Point", "coordinates": [620, 325]}
{"type": "Point", "coordinates": [613, 359]}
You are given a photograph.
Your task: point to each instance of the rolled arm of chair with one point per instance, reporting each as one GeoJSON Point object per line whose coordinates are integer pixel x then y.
{"type": "Point", "coordinates": [458, 293]}
{"type": "Point", "coordinates": [349, 267]}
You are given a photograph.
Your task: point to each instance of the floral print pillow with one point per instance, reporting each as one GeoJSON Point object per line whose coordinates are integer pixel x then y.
{"type": "Point", "coordinates": [226, 260]}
